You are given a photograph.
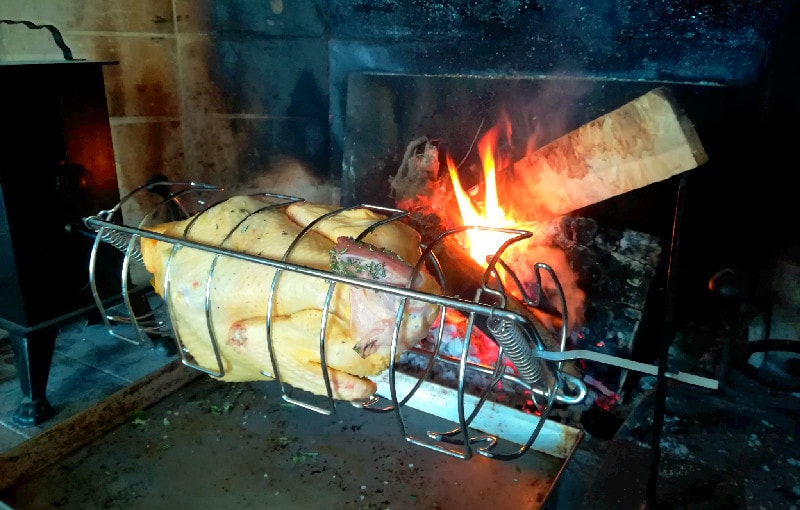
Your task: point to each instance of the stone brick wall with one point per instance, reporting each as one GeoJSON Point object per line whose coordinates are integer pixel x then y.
{"type": "Point", "coordinates": [218, 92]}
{"type": "Point", "coordinates": [252, 93]}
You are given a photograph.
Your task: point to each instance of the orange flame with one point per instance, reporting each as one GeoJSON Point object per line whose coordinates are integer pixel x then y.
{"type": "Point", "coordinates": [483, 243]}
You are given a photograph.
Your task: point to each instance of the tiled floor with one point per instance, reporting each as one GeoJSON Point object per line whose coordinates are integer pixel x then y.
{"type": "Point", "coordinates": [88, 365]}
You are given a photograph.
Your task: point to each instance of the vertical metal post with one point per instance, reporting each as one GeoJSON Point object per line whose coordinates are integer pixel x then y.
{"type": "Point", "coordinates": [667, 335]}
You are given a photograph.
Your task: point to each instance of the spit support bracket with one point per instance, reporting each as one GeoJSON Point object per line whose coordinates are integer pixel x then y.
{"type": "Point", "coordinates": [523, 361]}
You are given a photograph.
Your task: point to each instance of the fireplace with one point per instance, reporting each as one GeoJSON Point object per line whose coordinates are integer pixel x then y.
{"type": "Point", "coordinates": [618, 248]}
{"type": "Point", "coordinates": [446, 71]}
{"type": "Point", "coordinates": [559, 65]}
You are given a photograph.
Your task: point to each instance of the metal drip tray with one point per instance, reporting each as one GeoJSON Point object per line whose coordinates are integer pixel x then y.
{"type": "Point", "coordinates": [213, 445]}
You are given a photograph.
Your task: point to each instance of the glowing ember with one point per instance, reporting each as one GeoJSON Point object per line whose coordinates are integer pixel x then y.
{"type": "Point", "coordinates": [483, 243]}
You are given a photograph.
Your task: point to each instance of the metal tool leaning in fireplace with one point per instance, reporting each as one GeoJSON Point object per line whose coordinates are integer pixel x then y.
{"type": "Point", "coordinates": [539, 370]}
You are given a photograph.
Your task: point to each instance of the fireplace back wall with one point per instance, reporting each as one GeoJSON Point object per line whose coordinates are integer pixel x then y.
{"type": "Point", "coordinates": [253, 94]}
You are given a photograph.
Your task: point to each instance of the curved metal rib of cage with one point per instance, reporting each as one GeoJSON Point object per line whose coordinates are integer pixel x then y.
{"type": "Point", "coordinates": [517, 338]}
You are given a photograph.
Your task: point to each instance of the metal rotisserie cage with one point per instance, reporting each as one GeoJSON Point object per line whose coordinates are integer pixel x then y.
{"type": "Point", "coordinates": [472, 411]}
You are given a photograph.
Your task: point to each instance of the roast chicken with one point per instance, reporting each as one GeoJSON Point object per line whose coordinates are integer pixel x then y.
{"type": "Point", "coordinates": [359, 326]}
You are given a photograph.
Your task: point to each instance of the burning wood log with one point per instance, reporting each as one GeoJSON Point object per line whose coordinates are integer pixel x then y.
{"type": "Point", "coordinates": [644, 141]}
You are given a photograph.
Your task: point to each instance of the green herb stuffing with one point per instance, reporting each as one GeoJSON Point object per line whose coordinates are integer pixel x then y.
{"type": "Point", "coordinates": [356, 267]}
{"type": "Point", "coordinates": [353, 267]}
{"type": "Point", "coordinates": [304, 456]}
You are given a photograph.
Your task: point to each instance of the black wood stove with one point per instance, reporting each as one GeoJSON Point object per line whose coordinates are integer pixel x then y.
{"type": "Point", "coordinates": [58, 166]}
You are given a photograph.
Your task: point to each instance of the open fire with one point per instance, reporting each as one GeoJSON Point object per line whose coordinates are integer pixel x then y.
{"type": "Point", "coordinates": [490, 212]}
{"type": "Point", "coordinates": [646, 140]}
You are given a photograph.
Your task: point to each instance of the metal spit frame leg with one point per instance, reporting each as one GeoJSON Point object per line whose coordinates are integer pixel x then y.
{"type": "Point", "coordinates": [140, 307]}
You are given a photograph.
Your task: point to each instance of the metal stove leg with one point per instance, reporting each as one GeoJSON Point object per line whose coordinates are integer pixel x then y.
{"type": "Point", "coordinates": [33, 353]}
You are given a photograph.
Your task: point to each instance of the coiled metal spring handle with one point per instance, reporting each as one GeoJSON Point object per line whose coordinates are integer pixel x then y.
{"type": "Point", "coordinates": [510, 337]}
{"type": "Point", "coordinates": [121, 241]}
{"type": "Point", "coordinates": [518, 345]}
